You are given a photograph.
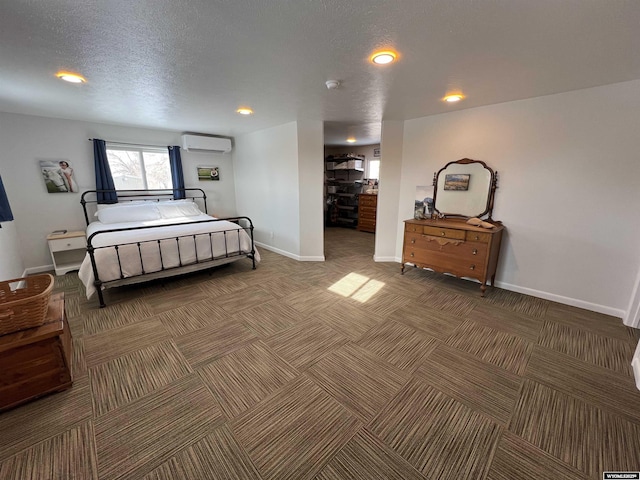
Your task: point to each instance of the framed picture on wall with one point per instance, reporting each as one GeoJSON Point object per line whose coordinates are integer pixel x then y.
{"type": "Point", "coordinates": [58, 176]}
{"type": "Point", "coordinates": [376, 152]}
{"type": "Point", "coordinates": [208, 173]}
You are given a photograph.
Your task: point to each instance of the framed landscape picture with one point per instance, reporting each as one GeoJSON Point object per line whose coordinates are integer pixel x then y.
{"type": "Point", "coordinates": [457, 181]}
{"type": "Point", "coordinates": [208, 173]}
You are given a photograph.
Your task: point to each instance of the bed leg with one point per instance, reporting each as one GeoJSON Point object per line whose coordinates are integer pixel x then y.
{"type": "Point", "coordinates": [100, 295]}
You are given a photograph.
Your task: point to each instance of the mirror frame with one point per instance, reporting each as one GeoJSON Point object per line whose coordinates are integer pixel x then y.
{"type": "Point", "coordinates": [493, 184]}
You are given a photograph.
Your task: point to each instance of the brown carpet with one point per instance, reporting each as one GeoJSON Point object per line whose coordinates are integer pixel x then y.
{"type": "Point", "coordinates": [336, 370]}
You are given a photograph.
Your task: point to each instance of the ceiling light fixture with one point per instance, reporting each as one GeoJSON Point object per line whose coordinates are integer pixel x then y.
{"type": "Point", "coordinates": [71, 77]}
{"type": "Point", "coordinates": [351, 140]}
{"type": "Point", "coordinates": [454, 97]}
{"type": "Point", "coordinates": [244, 111]}
{"type": "Point", "coordinates": [383, 58]}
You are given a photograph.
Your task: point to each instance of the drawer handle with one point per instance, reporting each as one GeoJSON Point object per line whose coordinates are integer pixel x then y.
{"type": "Point", "coordinates": [413, 240]}
{"type": "Point", "coordinates": [68, 244]}
{"type": "Point", "coordinates": [442, 233]}
{"type": "Point", "coordinates": [475, 251]}
{"type": "Point", "coordinates": [477, 237]}
{"type": "Point", "coordinates": [473, 267]}
{"type": "Point", "coordinates": [411, 255]}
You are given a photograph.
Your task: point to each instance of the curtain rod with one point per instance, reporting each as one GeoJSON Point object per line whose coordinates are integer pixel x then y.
{"type": "Point", "coordinates": [133, 144]}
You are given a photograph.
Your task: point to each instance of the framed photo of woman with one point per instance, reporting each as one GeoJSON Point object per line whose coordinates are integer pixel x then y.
{"type": "Point", "coordinates": [58, 176]}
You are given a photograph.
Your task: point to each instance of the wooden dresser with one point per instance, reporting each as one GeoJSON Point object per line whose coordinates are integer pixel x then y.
{"type": "Point", "coordinates": [453, 246]}
{"type": "Point", "coordinates": [367, 206]}
{"type": "Point", "coordinates": [36, 361]}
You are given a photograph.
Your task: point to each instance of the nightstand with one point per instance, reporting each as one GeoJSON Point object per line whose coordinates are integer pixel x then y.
{"type": "Point", "coordinates": [67, 251]}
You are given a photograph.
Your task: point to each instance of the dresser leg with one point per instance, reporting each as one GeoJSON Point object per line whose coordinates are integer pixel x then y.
{"type": "Point", "coordinates": [402, 269]}
{"type": "Point", "coordinates": [483, 288]}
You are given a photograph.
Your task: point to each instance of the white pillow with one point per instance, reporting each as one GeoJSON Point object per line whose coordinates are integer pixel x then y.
{"type": "Point", "coordinates": [125, 203]}
{"type": "Point", "coordinates": [175, 209]}
{"type": "Point", "coordinates": [129, 213]}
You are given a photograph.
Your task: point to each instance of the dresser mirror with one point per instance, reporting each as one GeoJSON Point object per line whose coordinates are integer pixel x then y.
{"type": "Point", "coordinates": [464, 188]}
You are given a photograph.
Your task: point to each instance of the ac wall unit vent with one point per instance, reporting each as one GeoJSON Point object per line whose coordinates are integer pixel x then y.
{"type": "Point", "coordinates": [203, 143]}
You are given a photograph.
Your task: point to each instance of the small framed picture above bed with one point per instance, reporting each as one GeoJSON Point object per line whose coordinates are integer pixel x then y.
{"type": "Point", "coordinates": [208, 173]}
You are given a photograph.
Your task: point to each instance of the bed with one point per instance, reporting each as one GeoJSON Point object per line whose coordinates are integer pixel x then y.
{"type": "Point", "coordinates": [148, 235]}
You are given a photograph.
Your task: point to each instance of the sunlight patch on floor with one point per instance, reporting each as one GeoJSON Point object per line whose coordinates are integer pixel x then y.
{"type": "Point", "coordinates": [356, 286]}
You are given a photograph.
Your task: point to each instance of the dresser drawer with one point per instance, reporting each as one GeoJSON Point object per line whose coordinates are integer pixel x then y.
{"type": "Point", "coordinates": [475, 251]}
{"type": "Point", "coordinates": [445, 232]}
{"type": "Point", "coordinates": [444, 263]}
{"type": "Point", "coordinates": [478, 237]}
{"type": "Point", "coordinates": [62, 244]}
{"type": "Point", "coordinates": [369, 200]}
{"type": "Point", "coordinates": [369, 212]}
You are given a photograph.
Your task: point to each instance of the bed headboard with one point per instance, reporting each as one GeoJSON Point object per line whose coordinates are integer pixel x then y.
{"type": "Point", "coordinates": [89, 199]}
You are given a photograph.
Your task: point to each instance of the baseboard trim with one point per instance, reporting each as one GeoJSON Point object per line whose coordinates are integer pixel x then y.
{"type": "Point", "coordinates": [574, 302]}
{"type": "Point", "coordinates": [40, 269]}
{"type": "Point", "coordinates": [385, 259]}
{"type": "Point", "coordinates": [291, 255]}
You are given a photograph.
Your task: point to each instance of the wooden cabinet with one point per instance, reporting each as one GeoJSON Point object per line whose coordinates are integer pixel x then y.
{"type": "Point", "coordinates": [367, 206]}
{"type": "Point", "coordinates": [67, 251]}
{"type": "Point", "coordinates": [453, 246]}
{"type": "Point", "coordinates": [36, 361]}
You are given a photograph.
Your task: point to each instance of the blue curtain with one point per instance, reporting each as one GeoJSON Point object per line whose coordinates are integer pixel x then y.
{"type": "Point", "coordinates": [5, 208]}
{"type": "Point", "coordinates": [176, 172]}
{"type": "Point", "coordinates": [104, 180]}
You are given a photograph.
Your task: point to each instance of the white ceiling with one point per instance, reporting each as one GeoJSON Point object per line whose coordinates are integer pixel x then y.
{"type": "Point", "coordinates": [187, 65]}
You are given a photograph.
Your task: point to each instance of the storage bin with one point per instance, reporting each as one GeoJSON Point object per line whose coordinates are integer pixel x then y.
{"type": "Point", "coordinates": [332, 189]}
{"type": "Point", "coordinates": [331, 165]}
{"type": "Point", "coordinates": [24, 307]}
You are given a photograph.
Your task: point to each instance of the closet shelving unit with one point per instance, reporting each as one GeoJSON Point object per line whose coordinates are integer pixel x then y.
{"type": "Point", "coordinates": [343, 184]}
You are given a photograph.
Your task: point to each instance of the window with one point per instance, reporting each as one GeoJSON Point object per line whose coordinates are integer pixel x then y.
{"type": "Point", "coordinates": [139, 168]}
{"type": "Point", "coordinates": [374, 169]}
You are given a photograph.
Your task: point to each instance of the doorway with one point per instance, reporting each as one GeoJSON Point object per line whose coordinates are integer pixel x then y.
{"type": "Point", "coordinates": [351, 180]}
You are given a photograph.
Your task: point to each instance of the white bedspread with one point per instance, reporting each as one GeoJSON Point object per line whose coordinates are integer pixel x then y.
{"type": "Point", "coordinates": [156, 254]}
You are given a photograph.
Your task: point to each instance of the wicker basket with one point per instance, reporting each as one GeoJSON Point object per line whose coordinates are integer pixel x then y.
{"type": "Point", "coordinates": [24, 307]}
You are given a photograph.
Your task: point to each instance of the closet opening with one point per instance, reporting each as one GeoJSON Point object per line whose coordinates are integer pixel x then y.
{"type": "Point", "coordinates": [351, 184]}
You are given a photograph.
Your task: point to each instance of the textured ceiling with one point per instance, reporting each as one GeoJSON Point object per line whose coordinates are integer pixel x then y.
{"type": "Point", "coordinates": [188, 64]}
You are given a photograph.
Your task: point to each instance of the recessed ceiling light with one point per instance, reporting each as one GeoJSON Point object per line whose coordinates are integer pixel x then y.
{"type": "Point", "coordinates": [454, 97]}
{"type": "Point", "coordinates": [383, 58]}
{"type": "Point", "coordinates": [71, 77]}
{"type": "Point", "coordinates": [244, 111]}
{"type": "Point", "coordinates": [351, 140]}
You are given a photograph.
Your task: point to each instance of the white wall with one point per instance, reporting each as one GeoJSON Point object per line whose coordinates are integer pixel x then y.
{"type": "Point", "coordinates": [267, 189]}
{"type": "Point", "coordinates": [388, 223]}
{"type": "Point", "coordinates": [310, 180]}
{"type": "Point", "coordinates": [27, 139]}
{"type": "Point", "coordinates": [11, 265]}
{"type": "Point", "coordinates": [568, 189]}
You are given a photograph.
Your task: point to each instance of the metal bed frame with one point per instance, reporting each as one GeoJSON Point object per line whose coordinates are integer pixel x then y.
{"type": "Point", "coordinates": [89, 198]}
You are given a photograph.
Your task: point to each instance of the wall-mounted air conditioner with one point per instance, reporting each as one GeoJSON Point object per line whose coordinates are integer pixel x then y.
{"type": "Point", "coordinates": [191, 142]}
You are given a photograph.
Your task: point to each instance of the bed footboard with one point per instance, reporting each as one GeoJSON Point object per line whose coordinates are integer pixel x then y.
{"type": "Point", "coordinates": [151, 258]}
